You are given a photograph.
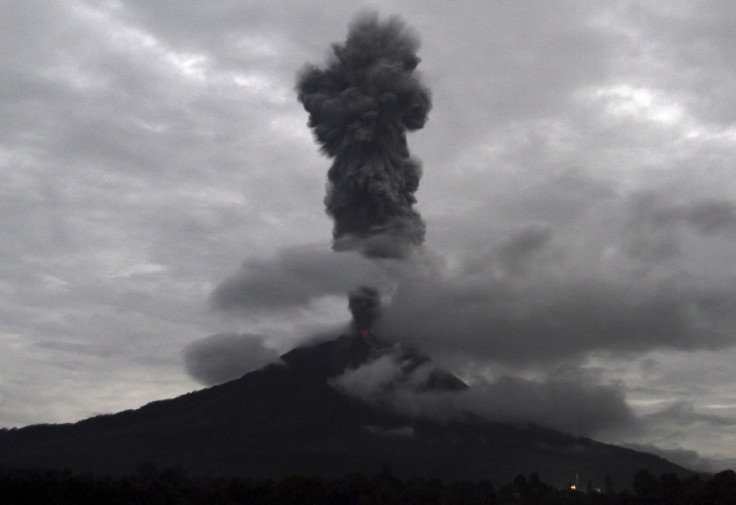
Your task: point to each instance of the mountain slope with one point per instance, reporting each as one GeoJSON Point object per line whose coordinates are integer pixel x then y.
{"type": "Point", "coordinates": [287, 418]}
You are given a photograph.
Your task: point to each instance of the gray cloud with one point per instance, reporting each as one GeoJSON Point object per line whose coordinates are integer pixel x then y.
{"type": "Point", "coordinates": [514, 256]}
{"type": "Point", "coordinates": [684, 413]}
{"type": "Point", "coordinates": [529, 298]}
{"type": "Point", "coordinates": [554, 313]}
{"type": "Point", "coordinates": [589, 408]}
{"type": "Point", "coordinates": [709, 217]}
{"type": "Point", "coordinates": [668, 427]}
{"type": "Point", "coordinates": [294, 278]}
{"type": "Point", "coordinates": [657, 225]}
{"type": "Point", "coordinates": [226, 356]}
{"type": "Point", "coordinates": [574, 406]}
{"type": "Point", "coordinates": [694, 42]}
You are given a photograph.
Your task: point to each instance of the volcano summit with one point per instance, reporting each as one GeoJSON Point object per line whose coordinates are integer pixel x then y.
{"type": "Point", "coordinates": [294, 417]}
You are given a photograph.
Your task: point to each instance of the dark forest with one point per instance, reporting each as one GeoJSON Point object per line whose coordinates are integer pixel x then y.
{"type": "Point", "coordinates": [149, 485]}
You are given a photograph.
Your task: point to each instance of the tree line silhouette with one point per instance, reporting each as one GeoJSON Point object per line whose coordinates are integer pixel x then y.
{"type": "Point", "coordinates": [149, 485]}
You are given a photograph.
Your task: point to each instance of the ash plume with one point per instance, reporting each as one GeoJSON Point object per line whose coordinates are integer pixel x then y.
{"type": "Point", "coordinates": [360, 107]}
{"type": "Point", "coordinates": [365, 306]}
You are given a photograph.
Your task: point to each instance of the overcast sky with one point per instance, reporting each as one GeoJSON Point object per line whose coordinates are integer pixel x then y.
{"type": "Point", "coordinates": [162, 223]}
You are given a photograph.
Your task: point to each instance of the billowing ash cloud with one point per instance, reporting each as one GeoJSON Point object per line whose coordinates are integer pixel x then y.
{"type": "Point", "coordinates": [549, 313]}
{"type": "Point", "coordinates": [589, 408]}
{"type": "Point", "coordinates": [295, 278]}
{"type": "Point", "coordinates": [225, 356]}
{"type": "Point", "coordinates": [365, 306]}
{"type": "Point", "coordinates": [531, 297]}
{"type": "Point", "coordinates": [360, 107]}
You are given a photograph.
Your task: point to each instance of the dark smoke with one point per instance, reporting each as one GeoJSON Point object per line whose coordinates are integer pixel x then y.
{"type": "Point", "coordinates": [360, 107]}
{"type": "Point", "coordinates": [365, 306]}
{"type": "Point", "coordinates": [589, 408]}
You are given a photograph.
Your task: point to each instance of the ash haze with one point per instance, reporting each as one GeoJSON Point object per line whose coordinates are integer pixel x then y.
{"type": "Point", "coordinates": [161, 209]}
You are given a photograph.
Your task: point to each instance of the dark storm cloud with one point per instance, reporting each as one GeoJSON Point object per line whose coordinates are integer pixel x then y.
{"type": "Point", "coordinates": [225, 356]}
{"type": "Point", "coordinates": [360, 107]}
{"type": "Point", "coordinates": [293, 279]}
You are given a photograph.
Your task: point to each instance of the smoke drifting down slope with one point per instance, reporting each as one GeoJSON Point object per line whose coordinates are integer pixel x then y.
{"type": "Point", "coordinates": [360, 108]}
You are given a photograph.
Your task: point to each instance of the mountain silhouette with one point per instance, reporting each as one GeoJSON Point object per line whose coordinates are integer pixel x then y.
{"type": "Point", "coordinates": [291, 418]}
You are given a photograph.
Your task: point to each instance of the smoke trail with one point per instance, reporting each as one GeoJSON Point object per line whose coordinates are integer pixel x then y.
{"type": "Point", "coordinates": [360, 107]}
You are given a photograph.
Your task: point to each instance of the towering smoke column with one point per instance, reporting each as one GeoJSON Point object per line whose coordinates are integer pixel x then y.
{"type": "Point", "coordinates": [365, 306]}
{"type": "Point", "coordinates": [360, 107]}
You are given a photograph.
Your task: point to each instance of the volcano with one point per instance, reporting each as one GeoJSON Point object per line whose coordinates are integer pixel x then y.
{"type": "Point", "coordinates": [290, 418]}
